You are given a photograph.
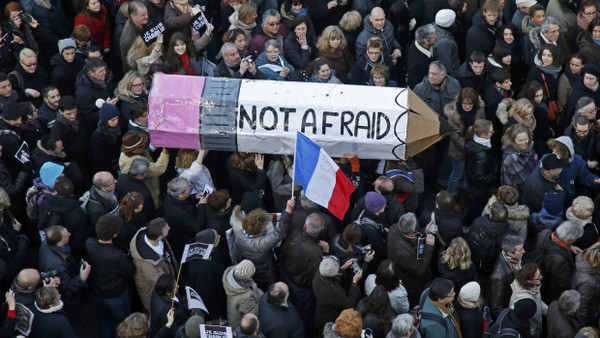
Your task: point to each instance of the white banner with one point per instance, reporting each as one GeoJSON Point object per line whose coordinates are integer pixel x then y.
{"type": "Point", "coordinates": [368, 121]}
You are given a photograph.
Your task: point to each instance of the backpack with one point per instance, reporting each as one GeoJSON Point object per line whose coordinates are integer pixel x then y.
{"type": "Point", "coordinates": [31, 199]}
{"type": "Point", "coordinates": [495, 329]}
{"type": "Point", "coordinates": [482, 246]}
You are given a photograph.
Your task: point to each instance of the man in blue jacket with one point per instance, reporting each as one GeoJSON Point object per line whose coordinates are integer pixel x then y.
{"type": "Point", "coordinates": [439, 318]}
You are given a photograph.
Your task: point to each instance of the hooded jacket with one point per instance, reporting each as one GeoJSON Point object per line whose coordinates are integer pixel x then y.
{"type": "Point", "coordinates": [149, 266]}
{"type": "Point", "coordinates": [258, 248]}
{"type": "Point", "coordinates": [240, 300]}
{"type": "Point", "coordinates": [386, 34]}
{"type": "Point", "coordinates": [65, 73]}
{"type": "Point", "coordinates": [518, 292]}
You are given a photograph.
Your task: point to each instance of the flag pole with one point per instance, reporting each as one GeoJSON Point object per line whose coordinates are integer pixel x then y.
{"type": "Point", "coordinates": [294, 165]}
{"type": "Point", "coordinates": [177, 282]}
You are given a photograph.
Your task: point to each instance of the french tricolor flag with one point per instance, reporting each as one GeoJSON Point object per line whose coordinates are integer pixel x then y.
{"type": "Point", "coordinates": [322, 179]}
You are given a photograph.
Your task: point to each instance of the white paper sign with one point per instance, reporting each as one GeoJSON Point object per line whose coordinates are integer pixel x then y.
{"type": "Point", "coordinates": [213, 331]}
{"type": "Point", "coordinates": [194, 300]}
{"type": "Point", "coordinates": [196, 251]}
{"type": "Point", "coordinates": [375, 117]}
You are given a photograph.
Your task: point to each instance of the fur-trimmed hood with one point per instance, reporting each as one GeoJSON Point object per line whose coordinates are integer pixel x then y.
{"type": "Point", "coordinates": [515, 212]}
{"type": "Point", "coordinates": [59, 154]}
{"type": "Point", "coordinates": [502, 111]}
{"type": "Point", "coordinates": [43, 3]}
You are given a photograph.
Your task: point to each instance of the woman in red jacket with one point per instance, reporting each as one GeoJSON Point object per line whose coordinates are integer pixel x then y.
{"type": "Point", "coordinates": [94, 16]}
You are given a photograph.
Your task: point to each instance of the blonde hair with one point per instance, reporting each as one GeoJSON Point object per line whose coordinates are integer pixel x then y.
{"type": "Point", "coordinates": [4, 199]}
{"type": "Point", "coordinates": [135, 325]}
{"type": "Point", "coordinates": [247, 10]}
{"type": "Point", "coordinates": [519, 110]}
{"type": "Point", "coordinates": [331, 32]}
{"type": "Point", "coordinates": [137, 51]}
{"type": "Point", "coordinates": [124, 87]}
{"type": "Point", "coordinates": [185, 158]}
{"type": "Point", "coordinates": [457, 254]}
{"type": "Point", "coordinates": [582, 207]}
{"type": "Point", "coordinates": [592, 255]}
{"type": "Point", "coordinates": [589, 332]}
{"type": "Point", "coordinates": [26, 53]}
{"type": "Point", "coordinates": [508, 139]}
{"type": "Point", "coordinates": [351, 21]}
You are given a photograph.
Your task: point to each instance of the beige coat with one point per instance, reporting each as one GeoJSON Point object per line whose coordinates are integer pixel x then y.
{"type": "Point", "coordinates": [456, 151]}
{"type": "Point", "coordinates": [154, 171]}
{"type": "Point", "coordinates": [240, 301]}
{"type": "Point", "coordinates": [147, 270]}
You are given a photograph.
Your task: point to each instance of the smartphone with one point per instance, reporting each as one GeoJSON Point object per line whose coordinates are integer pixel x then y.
{"type": "Point", "coordinates": [432, 229]}
{"type": "Point", "coordinates": [355, 266]}
{"type": "Point", "coordinates": [83, 263]}
{"type": "Point", "coordinates": [368, 332]}
{"type": "Point", "coordinates": [367, 248]}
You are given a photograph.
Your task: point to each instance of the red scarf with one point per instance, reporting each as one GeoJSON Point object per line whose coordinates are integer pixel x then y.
{"type": "Point", "coordinates": [188, 69]}
{"type": "Point", "coordinates": [559, 242]}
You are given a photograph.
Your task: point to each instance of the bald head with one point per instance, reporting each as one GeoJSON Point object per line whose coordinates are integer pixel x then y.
{"type": "Point", "coordinates": [103, 180]}
{"type": "Point", "coordinates": [384, 185]}
{"type": "Point", "coordinates": [249, 324]}
{"type": "Point", "coordinates": [377, 18]}
{"type": "Point", "coordinates": [28, 279]}
{"type": "Point", "coordinates": [277, 294]}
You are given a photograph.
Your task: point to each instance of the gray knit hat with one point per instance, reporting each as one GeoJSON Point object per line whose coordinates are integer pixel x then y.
{"type": "Point", "coordinates": [329, 267]}
{"type": "Point", "coordinates": [66, 43]}
{"type": "Point", "coordinates": [244, 270]}
{"type": "Point", "coordinates": [192, 326]}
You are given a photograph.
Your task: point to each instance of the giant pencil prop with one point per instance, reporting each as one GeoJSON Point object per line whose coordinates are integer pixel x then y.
{"type": "Point", "coordinates": [263, 116]}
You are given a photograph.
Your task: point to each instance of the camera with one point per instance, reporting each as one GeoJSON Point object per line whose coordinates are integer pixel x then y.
{"type": "Point", "coordinates": [248, 58]}
{"type": "Point", "coordinates": [25, 17]}
{"type": "Point", "coordinates": [48, 275]}
{"type": "Point", "coordinates": [367, 248]}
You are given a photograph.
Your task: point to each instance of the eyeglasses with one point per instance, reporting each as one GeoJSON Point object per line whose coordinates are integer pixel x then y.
{"type": "Point", "coordinates": [273, 24]}
{"type": "Point", "coordinates": [590, 14]}
{"type": "Point", "coordinates": [272, 52]}
{"type": "Point", "coordinates": [28, 65]}
{"type": "Point", "coordinates": [468, 104]}
{"type": "Point", "coordinates": [137, 85]}
{"type": "Point", "coordinates": [131, 196]}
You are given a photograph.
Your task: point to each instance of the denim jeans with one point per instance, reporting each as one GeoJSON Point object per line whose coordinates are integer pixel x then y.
{"type": "Point", "coordinates": [110, 312]}
{"type": "Point", "coordinates": [457, 174]}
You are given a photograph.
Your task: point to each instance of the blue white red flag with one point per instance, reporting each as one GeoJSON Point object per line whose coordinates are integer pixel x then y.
{"type": "Point", "coordinates": [322, 179]}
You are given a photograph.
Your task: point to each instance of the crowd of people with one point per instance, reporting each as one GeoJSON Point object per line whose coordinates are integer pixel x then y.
{"type": "Point", "coordinates": [493, 229]}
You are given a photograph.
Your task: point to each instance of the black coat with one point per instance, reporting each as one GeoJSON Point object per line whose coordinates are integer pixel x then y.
{"type": "Point", "coordinates": [206, 277]}
{"type": "Point", "coordinates": [86, 94]}
{"type": "Point", "coordinates": [64, 73]}
{"type": "Point", "coordinates": [332, 299]}
{"type": "Point", "coordinates": [221, 70]}
{"type": "Point", "coordinates": [13, 185]}
{"type": "Point", "coordinates": [481, 36]}
{"type": "Point", "coordinates": [449, 225]}
{"type": "Point", "coordinates": [295, 55]}
{"type": "Point", "coordinates": [558, 267]}
{"type": "Point", "coordinates": [484, 257]}
{"type": "Point", "coordinates": [127, 183]}
{"type": "Point", "coordinates": [53, 25]}
{"type": "Point", "coordinates": [219, 222]}
{"type": "Point", "coordinates": [111, 269]}
{"type": "Point", "coordinates": [458, 277]}
{"type": "Point", "coordinates": [536, 186]}
{"type": "Point", "coordinates": [11, 141]}
{"type": "Point", "coordinates": [105, 151]}
{"type": "Point", "coordinates": [51, 325]}
{"type": "Point", "coordinates": [545, 79]}
{"type": "Point", "coordinates": [37, 80]}
{"type": "Point", "coordinates": [393, 210]}
{"type": "Point", "coordinates": [471, 321]}
{"type": "Point", "coordinates": [160, 306]}
{"type": "Point", "coordinates": [467, 78]}
{"type": "Point", "coordinates": [499, 285]}
{"type": "Point", "coordinates": [68, 270]}
{"type": "Point", "coordinates": [243, 180]}
{"type": "Point", "coordinates": [480, 165]}
{"type": "Point", "coordinates": [299, 217]}
{"type": "Point", "coordinates": [98, 206]}
{"type": "Point", "coordinates": [72, 217]}
{"type": "Point", "coordinates": [184, 219]}
{"type": "Point", "coordinates": [73, 140]}
{"type": "Point", "coordinates": [579, 91]}
{"type": "Point", "coordinates": [279, 321]}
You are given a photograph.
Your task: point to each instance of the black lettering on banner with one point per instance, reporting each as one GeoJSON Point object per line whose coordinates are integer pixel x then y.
{"type": "Point", "coordinates": [357, 125]}
{"type": "Point", "coordinates": [312, 124]}
{"type": "Point", "coordinates": [372, 136]}
{"type": "Point", "coordinates": [326, 125]}
{"type": "Point", "coordinates": [344, 124]}
{"type": "Point", "coordinates": [261, 120]}
{"type": "Point", "coordinates": [244, 116]}
{"type": "Point", "coordinates": [198, 22]}
{"type": "Point", "coordinates": [381, 116]}
{"type": "Point", "coordinates": [150, 34]}
{"type": "Point", "coordinates": [286, 117]}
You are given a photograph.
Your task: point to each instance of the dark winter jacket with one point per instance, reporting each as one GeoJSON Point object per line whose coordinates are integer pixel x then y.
{"type": "Point", "coordinates": [533, 42]}
{"type": "Point", "coordinates": [499, 285]}
{"type": "Point", "coordinates": [437, 99]}
{"type": "Point", "coordinates": [105, 151]}
{"type": "Point", "coordinates": [458, 277]}
{"type": "Point", "coordinates": [127, 183]}
{"type": "Point", "coordinates": [160, 306]}
{"type": "Point", "coordinates": [536, 186]}
{"type": "Point", "coordinates": [36, 80]}
{"type": "Point", "coordinates": [244, 180]}
{"type": "Point", "coordinates": [73, 140]}
{"type": "Point", "coordinates": [386, 35]}
{"type": "Point", "coordinates": [71, 216]}
{"type": "Point", "coordinates": [301, 255]}
{"type": "Point", "coordinates": [111, 269]}
{"type": "Point", "coordinates": [221, 70]}
{"type": "Point", "coordinates": [184, 219]}
{"type": "Point", "coordinates": [446, 49]}
{"type": "Point", "coordinates": [331, 299]}
{"type": "Point", "coordinates": [471, 319]}
{"type": "Point", "coordinates": [560, 324]}
{"type": "Point", "coordinates": [414, 273]}
{"type": "Point", "coordinates": [586, 281]}
{"type": "Point", "coordinates": [481, 36]}
{"type": "Point", "coordinates": [66, 266]}
{"type": "Point", "coordinates": [480, 165]}
{"type": "Point", "coordinates": [589, 49]}
{"type": "Point", "coordinates": [579, 91]}
{"type": "Point", "coordinates": [467, 78]}
{"type": "Point", "coordinates": [362, 70]}
{"type": "Point", "coordinates": [299, 217]}
{"type": "Point", "coordinates": [97, 206]}
{"type": "Point", "coordinates": [51, 324]}
{"type": "Point", "coordinates": [485, 231]}
{"type": "Point", "coordinates": [516, 167]}
{"type": "Point", "coordinates": [53, 25]}
{"type": "Point", "coordinates": [558, 267]}
{"type": "Point", "coordinates": [279, 321]}
{"type": "Point", "coordinates": [87, 93]}
{"type": "Point", "coordinates": [13, 185]}
{"type": "Point", "coordinates": [206, 277]}
{"type": "Point", "coordinates": [417, 65]}
{"type": "Point", "coordinates": [295, 54]}
{"type": "Point", "coordinates": [64, 73]}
